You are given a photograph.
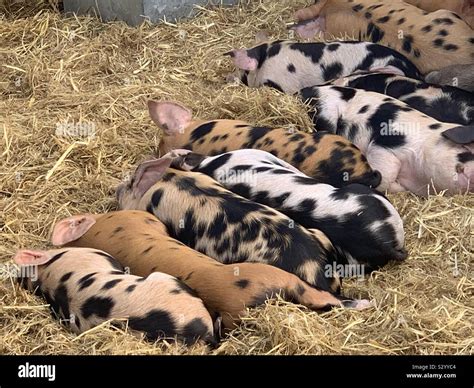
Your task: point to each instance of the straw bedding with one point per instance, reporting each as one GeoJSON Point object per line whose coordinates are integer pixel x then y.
{"type": "Point", "coordinates": [56, 71]}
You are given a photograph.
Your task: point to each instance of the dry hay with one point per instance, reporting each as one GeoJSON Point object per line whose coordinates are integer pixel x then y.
{"type": "Point", "coordinates": [57, 70]}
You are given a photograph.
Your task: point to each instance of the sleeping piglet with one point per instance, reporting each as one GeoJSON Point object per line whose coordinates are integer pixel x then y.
{"type": "Point", "coordinates": [464, 8]}
{"type": "Point", "coordinates": [444, 103]}
{"type": "Point", "coordinates": [326, 157]}
{"type": "Point", "coordinates": [361, 223]}
{"type": "Point", "coordinates": [461, 76]}
{"type": "Point", "coordinates": [202, 214]}
{"type": "Point", "coordinates": [413, 152]}
{"type": "Point", "coordinates": [290, 66]}
{"type": "Point", "coordinates": [140, 242]}
{"type": "Point", "coordinates": [87, 287]}
{"type": "Point", "coordinates": [430, 40]}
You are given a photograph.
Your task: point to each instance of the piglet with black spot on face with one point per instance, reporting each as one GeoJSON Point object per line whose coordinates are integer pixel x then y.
{"type": "Point", "coordinates": [430, 40]}
{"type": "Point", "coordinates": [413, 152]}
{"type": "Point", "coordinates": [362, 224]}
{"type": "Point", "coordinates": [86, 287]}
{"type": "Point", "coordinates": [290, 66]}
{"type": "Point", "coordinates": [444, 103]}
{"type": "Point", "coordinates": [326, 157]}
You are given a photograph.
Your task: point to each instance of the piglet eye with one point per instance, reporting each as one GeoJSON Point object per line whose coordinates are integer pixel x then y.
{"type": "Point", "coordinates": [459, 168]}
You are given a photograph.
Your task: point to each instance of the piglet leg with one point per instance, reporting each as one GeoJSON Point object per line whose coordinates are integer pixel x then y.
{"type": "Point", "coordinates": [316, 299]}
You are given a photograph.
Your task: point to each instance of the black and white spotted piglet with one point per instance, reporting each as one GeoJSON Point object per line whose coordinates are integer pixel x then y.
{"type": "Point", "coordinates": [86, 287]}
{"type": "Point", "coordinates": [289, 66]}
{"type": "Point", "coordinates": [444, 103]}
{"type": "Point", "coordinates": [361, 223]}
{"type": "Point", "coordinates": [412, 151]}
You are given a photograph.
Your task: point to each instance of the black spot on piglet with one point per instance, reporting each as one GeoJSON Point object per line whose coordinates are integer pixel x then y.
{"type": "Point", "coordinates": [96, 305]}
{"type": "Point", "coordinates": [242, 283]}
{"type": "Point", "coordinates": [65, 277]}
{"type": "Point", "coordinates": [183, 287]}
{"type": "Point", "coordinates": [86, 281]}
{"type": "Point", "coordinates": [111, 284]}
{"type": "Point", "coordinates": [113, 261]}
{"type": "Point", "coordinates": [61, 300]}
{"type": "Point", "coordinates": [156, 324]}
{"type": "Point", "coordinates": [195, 330]}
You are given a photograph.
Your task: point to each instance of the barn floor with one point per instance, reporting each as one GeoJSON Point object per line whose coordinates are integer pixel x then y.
{"type": "Point", "coordinates": [57, 71]}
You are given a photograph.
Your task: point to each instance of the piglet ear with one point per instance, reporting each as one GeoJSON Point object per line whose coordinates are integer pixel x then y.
{"type": "Point", "coordinates": [307, 29]}
{"type": "Point", "coordinates": [71, 229]}
{"type": "Point", "coordinates": [242, 60]}
{"type": "Point", "coordinates": [27, 257]}
{"type": "Point", "coordinates": [432, 77]}
{"type": "Point", "coordinates": [310, 12]}
{"type": "Point", "coordinates": [171, 117]}
{"type": "Point", "coordinates": [148, 173]}
{"type": "Point", "coordinates": [389, 69]}
{"type": "Point", "coordinates": [460, 135]}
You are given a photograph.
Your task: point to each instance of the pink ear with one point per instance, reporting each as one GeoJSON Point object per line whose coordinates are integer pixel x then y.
{"type": "Point", "coordinates": [243, 61]}
{"type": "Point", "coordinates": [148, 173]}
{"type": "Point", "coordinates": [310, 12]}
{"type": "Point", "coordinates": [27, 257]}
{"type": "Point", "coordinates": [71, 229]}
{"type": "Point", "coordinates": [169, 116]}
{"type": "Point", "coordinates": [389, 69]}
{"type": "Point", "coordinates": [309, 28]}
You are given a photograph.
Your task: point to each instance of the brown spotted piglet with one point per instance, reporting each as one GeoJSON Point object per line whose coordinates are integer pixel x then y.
{"type": "Point", "coordinates": [141, 243]}
{"type": "Point", "coordinates": [87, 287]}
{"type": "Point", "coordinates": [326, 157]}
{"type": "Point", "coordinates": [430, 40]}
{"type": "Point", "coordinates": [463, 8]}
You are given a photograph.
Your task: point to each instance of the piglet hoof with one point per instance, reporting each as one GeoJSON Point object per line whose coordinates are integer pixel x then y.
{"type": "Point", "coordinates": [358, 304]}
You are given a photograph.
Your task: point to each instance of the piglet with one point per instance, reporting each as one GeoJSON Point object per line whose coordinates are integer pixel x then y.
{"type": "Point", "coordinates": [361, 223]}
{"type": "Point", "coordinates": [326, 157]}
{"type": "Point", "coordinates": [444, 103]}
{"type": "Point", "coordinates": [202, 214]}
{"type": "Point", "coordinates": [290, 66]}
{"type": "Point", "coordinates": [461, 76]}
{"type": "Point", "coordinates": [140, 242]}
{"type": "Point", "coordinates": [88, 286]}
{"type": "Point", "coordinates": [430, 40]}
{"type": "Point", "coordinates": [463, 8]}
{"type": "Point", "coordinates": [413, 152]}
